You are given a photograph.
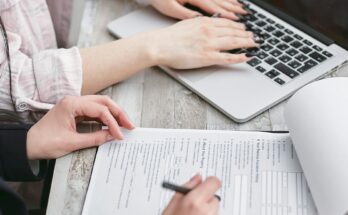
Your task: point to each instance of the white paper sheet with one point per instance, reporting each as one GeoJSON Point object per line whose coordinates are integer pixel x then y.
{"type": "Point", "coordinates": [317, 117]}
{"type": "Point", "coordinates": [260, 172]}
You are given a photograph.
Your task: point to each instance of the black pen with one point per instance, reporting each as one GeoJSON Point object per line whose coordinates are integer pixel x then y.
{"type": "Point", "coordinates": [180, 189]}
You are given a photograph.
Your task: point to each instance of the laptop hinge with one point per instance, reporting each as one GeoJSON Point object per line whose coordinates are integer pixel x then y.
{"type": "Point", "coordinates": [291, 20]}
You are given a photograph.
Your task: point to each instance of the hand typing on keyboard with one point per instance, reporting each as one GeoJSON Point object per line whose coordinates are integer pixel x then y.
{"type": "Point", "coordinates": [176, 8]}
{"type": "Point", "coordinates": [199, 42]}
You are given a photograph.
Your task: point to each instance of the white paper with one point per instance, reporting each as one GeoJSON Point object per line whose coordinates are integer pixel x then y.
{"type": "Point", "coordinates": [260, 172]}
{"type": "Point", "coordinates": [317, 117]}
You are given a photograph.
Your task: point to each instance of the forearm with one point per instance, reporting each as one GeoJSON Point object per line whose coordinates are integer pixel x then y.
{"type": "Point", "coordinates": [110, 63]}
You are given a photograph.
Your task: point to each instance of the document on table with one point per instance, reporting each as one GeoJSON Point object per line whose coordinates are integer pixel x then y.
{"type": "Point", "coordinates": [260, 172]}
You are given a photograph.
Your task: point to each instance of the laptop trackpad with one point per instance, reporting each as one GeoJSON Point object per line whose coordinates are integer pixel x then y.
{"type": "Point", "coordinates": [195, 75]}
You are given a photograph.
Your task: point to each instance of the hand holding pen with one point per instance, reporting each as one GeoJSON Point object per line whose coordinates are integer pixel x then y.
{"type": "Point", "coordinates": [201, 198]}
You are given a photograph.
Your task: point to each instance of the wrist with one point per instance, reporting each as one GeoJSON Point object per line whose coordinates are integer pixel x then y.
{"type": "Point", "coordinates": [148, 49]}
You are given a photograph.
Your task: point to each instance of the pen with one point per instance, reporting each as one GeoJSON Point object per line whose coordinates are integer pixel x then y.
{"type": "Point", "coordinates": [180, 189]}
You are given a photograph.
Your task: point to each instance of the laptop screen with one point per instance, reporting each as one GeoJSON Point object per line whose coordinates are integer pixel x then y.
{"type": "Point", "coordinates": [329, 17]}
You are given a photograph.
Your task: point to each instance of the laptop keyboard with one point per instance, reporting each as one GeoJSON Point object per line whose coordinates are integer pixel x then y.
{"type": "Point", "coordinates": [286, 54]}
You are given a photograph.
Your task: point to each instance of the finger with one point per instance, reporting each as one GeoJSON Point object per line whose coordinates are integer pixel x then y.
{"type": "Point", "coordinates": [193, 182]}
{"type": "Point", "coordinates": [116, 111]}
{"type": "Point", "coordinates": [230, 43]}
{"type": "Point", "coordinates": [229, 6]}
{"type": "Point", "coordinates": [206, 190]}
{"type": "Point", "coordinates": [182, 12]}
{"type": "Point", "coordinates": [95, 110]}
{"type": "Point", "coordinates": [213, 206]}
{"type": "Point", "coordinates": [87, 140]}
{"type": "Point", "coordinates": [223, 32]}
{"type": "Point", "coordinates": [226, 14]}
{"type": "Point", "coordinates": [226, 23]}
{"type": "Point", "coordinates": [211, 8]}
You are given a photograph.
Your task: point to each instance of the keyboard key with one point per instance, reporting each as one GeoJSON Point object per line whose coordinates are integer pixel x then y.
{"type": "Point", "coordinates": [256, 31]}
{"type": "Point", "coordinates": [305, 49]}
{"type": "Point", "coordinates": [289, 31]}
{"type": "Point", "coordinates": [296, 44]}
{"type": "Point", "coordinates": [273, 41]}
{"type": "Point", "coordinates": [250, 17]}
{"type": "Point", "coordinates": [278, 33]}
{"type": "Point", "coordinates": [307, 42]}
{"type": "Point", "coordinates": [311, 63]}
{"type": "Point", "coordinates": [254, 62]}
{"type": "Point", "coordinates": [317, 48]}
{"type": "Point", "coordinates": [279, 81]}
{"type": "Point", "coordinates": [316, 56]}
{"type": "Point", "coordinates": [282, 46]}
{"type": "Point", "coordinates": [301, 57]}
{"type": "Point", "coordinates": [285, 58]}
{"type": "Point", "coordinates": [235, 51]}
{"type": "Point", "coordinates": [271, 61]}
{"type": "Point", "coordinates": [276, 53]}
{"type": "Point", "coordinates": [308, 65]}
{"type": "Point", "coordinates": [279, 26]}
{"type": "Point", "coordinates": [271, 21]}
{"type": "Point", "coordinates": [261, 23]}
{"type": "Point", "coordinates": [298, 37]}
{"type": "Point", "coordinates": [261, 69]}
{"type": "Point", "coordinates": [273, 73]}
{"type": "Point", "coordinates": [287, 39]}
{"type": "Point", "coordinates": [286, 70]}
{"type": "Point", "coordinates": [294, 64]}
{"type": "Point", "coordinates": [266, 47]}
{"type": "Point", "coordinates": [262, 55]}
{"type": "Point", "coordinates": [252, 11]}
{"type": "Point", "coordinates": [292, 52]}
{"type": "Point", "coordinates": [327, 54]}
{"type": "Point", "coordinates": [261, 16]}
{"type": "Point", "coordinates": [269, 28]}
{"type": "Point", "coordinates": [265, 36]}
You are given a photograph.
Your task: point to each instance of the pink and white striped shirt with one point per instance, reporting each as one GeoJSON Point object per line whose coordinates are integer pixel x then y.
{"type": "Point", "coordinates": [41, 73]}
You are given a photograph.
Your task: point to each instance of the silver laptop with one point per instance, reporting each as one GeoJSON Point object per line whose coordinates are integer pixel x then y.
{"type": "Point", "coordinates": [305, 40]}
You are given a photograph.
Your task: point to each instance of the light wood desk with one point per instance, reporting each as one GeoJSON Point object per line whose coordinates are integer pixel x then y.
{"type": "Point", "coordinates": [151, 99]}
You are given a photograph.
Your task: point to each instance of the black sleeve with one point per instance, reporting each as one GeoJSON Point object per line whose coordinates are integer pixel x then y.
{"type": "Point", "coordinates": [14, 165]}
{"type": "Point", "coordinates": [10, 201]}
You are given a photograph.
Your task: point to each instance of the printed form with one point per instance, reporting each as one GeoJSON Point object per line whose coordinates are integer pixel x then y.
{"type": "Point", "coordinates": [260, 172]}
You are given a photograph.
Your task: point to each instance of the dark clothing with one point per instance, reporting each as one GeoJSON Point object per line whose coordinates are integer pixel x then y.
{"type": "Point", "coordinates": [14, 166]}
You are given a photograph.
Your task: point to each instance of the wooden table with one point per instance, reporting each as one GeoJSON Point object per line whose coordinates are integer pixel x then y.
{"type": "Point", "coordinates": [151, 99]}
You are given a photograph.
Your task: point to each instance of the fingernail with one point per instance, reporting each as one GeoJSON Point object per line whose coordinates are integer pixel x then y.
{"type": "Point", "coordinates": [109, 138]}
{"type": "Point", "coordinates": [251, 54]}
{"type": "Point", "coordinates": [246, 6]}
{"type": "Point", "coordinates": [194, 177]}
{"type": "Point", "coordinates": [247, 9]}
{"type": "Point", "coordinates": [235, 51]}
{"type": "Point", "coordinates": [241, 18]}
{"type": "Point", "coordinates": [216, 15]}
{"type": "Point", "coordinates": [258, 39]}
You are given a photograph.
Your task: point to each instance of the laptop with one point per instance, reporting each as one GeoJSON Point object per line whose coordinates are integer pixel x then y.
{"type": "Point", "coordinates": [305, 41]}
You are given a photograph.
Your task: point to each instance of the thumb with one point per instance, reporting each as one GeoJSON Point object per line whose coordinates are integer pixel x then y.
{"type": "Point", "coordinates": [181, 12]}
{"type": "Point", "coordinates": [87, 140]}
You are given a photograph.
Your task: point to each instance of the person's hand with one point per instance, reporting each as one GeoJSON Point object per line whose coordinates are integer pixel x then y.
{"type": "Point", "coordinates": [198, 42]}
{"type": "Point", "coordinates": [175, 8]}
{"type": "Point", "coordinates": [55, 134]}
{"type": "Point", "coordinates": [200, 201]}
